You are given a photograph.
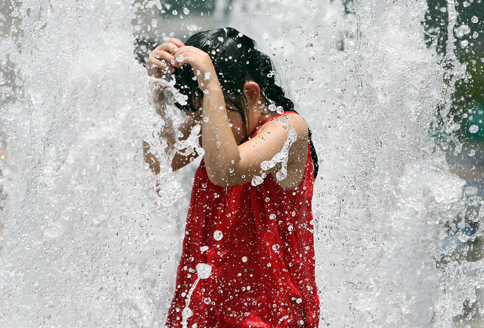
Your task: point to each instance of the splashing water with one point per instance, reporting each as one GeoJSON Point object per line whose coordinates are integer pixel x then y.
{"type": "Point", "coordinates": [203, 272]}
{"type": "Point", "coordinates": [281, 157]}
{"type": "Point", "coordinates": [86, 240]}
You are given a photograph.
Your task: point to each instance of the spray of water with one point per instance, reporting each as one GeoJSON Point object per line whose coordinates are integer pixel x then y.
{"type": "Point", "coordinates": [88, 242]}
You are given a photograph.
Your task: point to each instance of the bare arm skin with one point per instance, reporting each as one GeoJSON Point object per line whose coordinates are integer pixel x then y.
{"type": "Point", "coordinates": [228, 163]}
{"type": "Point", "coordinates": [157, 66]}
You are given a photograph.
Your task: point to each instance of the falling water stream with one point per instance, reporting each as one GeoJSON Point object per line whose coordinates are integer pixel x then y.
{"type": "Point", "coordinates": [91, 238]}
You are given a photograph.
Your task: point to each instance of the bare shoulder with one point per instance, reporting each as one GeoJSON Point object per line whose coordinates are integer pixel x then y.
{"type": "Point", "coordinates": [288, 121]}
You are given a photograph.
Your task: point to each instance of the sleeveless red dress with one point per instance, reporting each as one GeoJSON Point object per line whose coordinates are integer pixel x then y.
{"type": "Point", "coordinates": [248, 256]}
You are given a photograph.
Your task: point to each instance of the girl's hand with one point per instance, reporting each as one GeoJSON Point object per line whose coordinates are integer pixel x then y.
{"type": "Point", "coordinates": [163, 58]}
{"type": "Point", "coordinates": [201, 64]}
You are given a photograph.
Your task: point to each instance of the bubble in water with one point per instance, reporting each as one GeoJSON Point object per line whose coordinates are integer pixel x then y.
{"type": "Point", "coordinates": [203, 270]}
{"type": "Point", "coordinates": [272, 216]}
{"type": "Point", "coordinates": [174, 12]}
{"type": "Point", "coordinates": [474, 19]}
{"type": "Point", "coordinates": [218, 235]}
{"type": "Point", "coordinates": [186, 11]}
{"type": "Point", "coordinates": [244, 259]}
{"type": "Point", "coordinates": [473, 128]}
{"type": "Point", "coordinates": [207, 300]}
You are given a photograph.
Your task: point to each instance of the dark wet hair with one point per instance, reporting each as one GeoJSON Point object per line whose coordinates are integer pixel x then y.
{"type": "Point", "coordinates": [236, 60]}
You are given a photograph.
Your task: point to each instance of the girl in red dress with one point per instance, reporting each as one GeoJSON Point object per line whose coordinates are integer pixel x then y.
{"type": "Point", "coordinates": [248, 252]}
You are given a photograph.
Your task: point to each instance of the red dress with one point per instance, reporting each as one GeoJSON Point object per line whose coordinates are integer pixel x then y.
{"type": "Point", "coordinates": [248, 256]}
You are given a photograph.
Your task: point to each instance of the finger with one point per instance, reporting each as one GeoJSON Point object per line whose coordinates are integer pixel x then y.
{"type": "Point", "coordinates": [161, 60]}
{"type": "Point", "coordinates": [189, 55]}
{"type": "Point", "coordinates": [176, 42]}
{"type": "Point", "coordinates": [180, 56]}
{"type": "Point", "coordinates": [157, 67]}
{"type": "Point", "coordinates": [170, 47]}
{"type": "Point", "coordinates": [159, 56]}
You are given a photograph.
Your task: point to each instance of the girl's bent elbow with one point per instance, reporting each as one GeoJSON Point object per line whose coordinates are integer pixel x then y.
{"type": "Point", "coordinates": [219, 179]}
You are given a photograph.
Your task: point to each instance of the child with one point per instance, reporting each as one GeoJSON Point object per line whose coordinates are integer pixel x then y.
{"type": "Point", "coordinates": [248, 253]}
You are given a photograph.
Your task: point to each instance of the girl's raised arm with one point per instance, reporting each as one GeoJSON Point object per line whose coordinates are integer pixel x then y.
{"type": "Point", "coordinates": [231, 164]}
{"type": "Point", "coordinates": [161, 61]}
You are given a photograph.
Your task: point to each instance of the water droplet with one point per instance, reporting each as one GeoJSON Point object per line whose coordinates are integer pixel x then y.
{"type": "Point", "coordinates": [272, 216]}
{"type": "Point", "coordinates": [220, 39]}
{"type": "Point", "coordinates": [203, 270]}
{"type": "Point", "coordinates": [203, 249]}
{"type": "Point", "coordinates": [244, 259]}
{"type": "Point", "coordinates": [473, 128]}
{"type": "Point", "coordinates": [192, 28]}
{"type": "Point", "coordinates": [474, 19]}
{"type": "Point", "coordinates": [187, 313]}
{"type": "Point", "coordinates": [462, 30]}
{"type": "Point", "coordinates": [180, 58]}
{"type": "Point", "coordinates": [186, 11]}
{"type": "Point", "coordinates": [174, 12]}
{"type": "Point", "coordinates": [266, 165]}
{"type": "Point", "coordinates": [207, 300]}
{"type": "Point", "coordinates": [299, 301]}
{"type": "Point", "coordinates": [257, 180]}
{"type": "Point", "coordinates": [218, 235]}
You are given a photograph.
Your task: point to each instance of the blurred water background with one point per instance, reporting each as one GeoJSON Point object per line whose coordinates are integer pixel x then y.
{"type": "Point", "coordinates": [391, 89]}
